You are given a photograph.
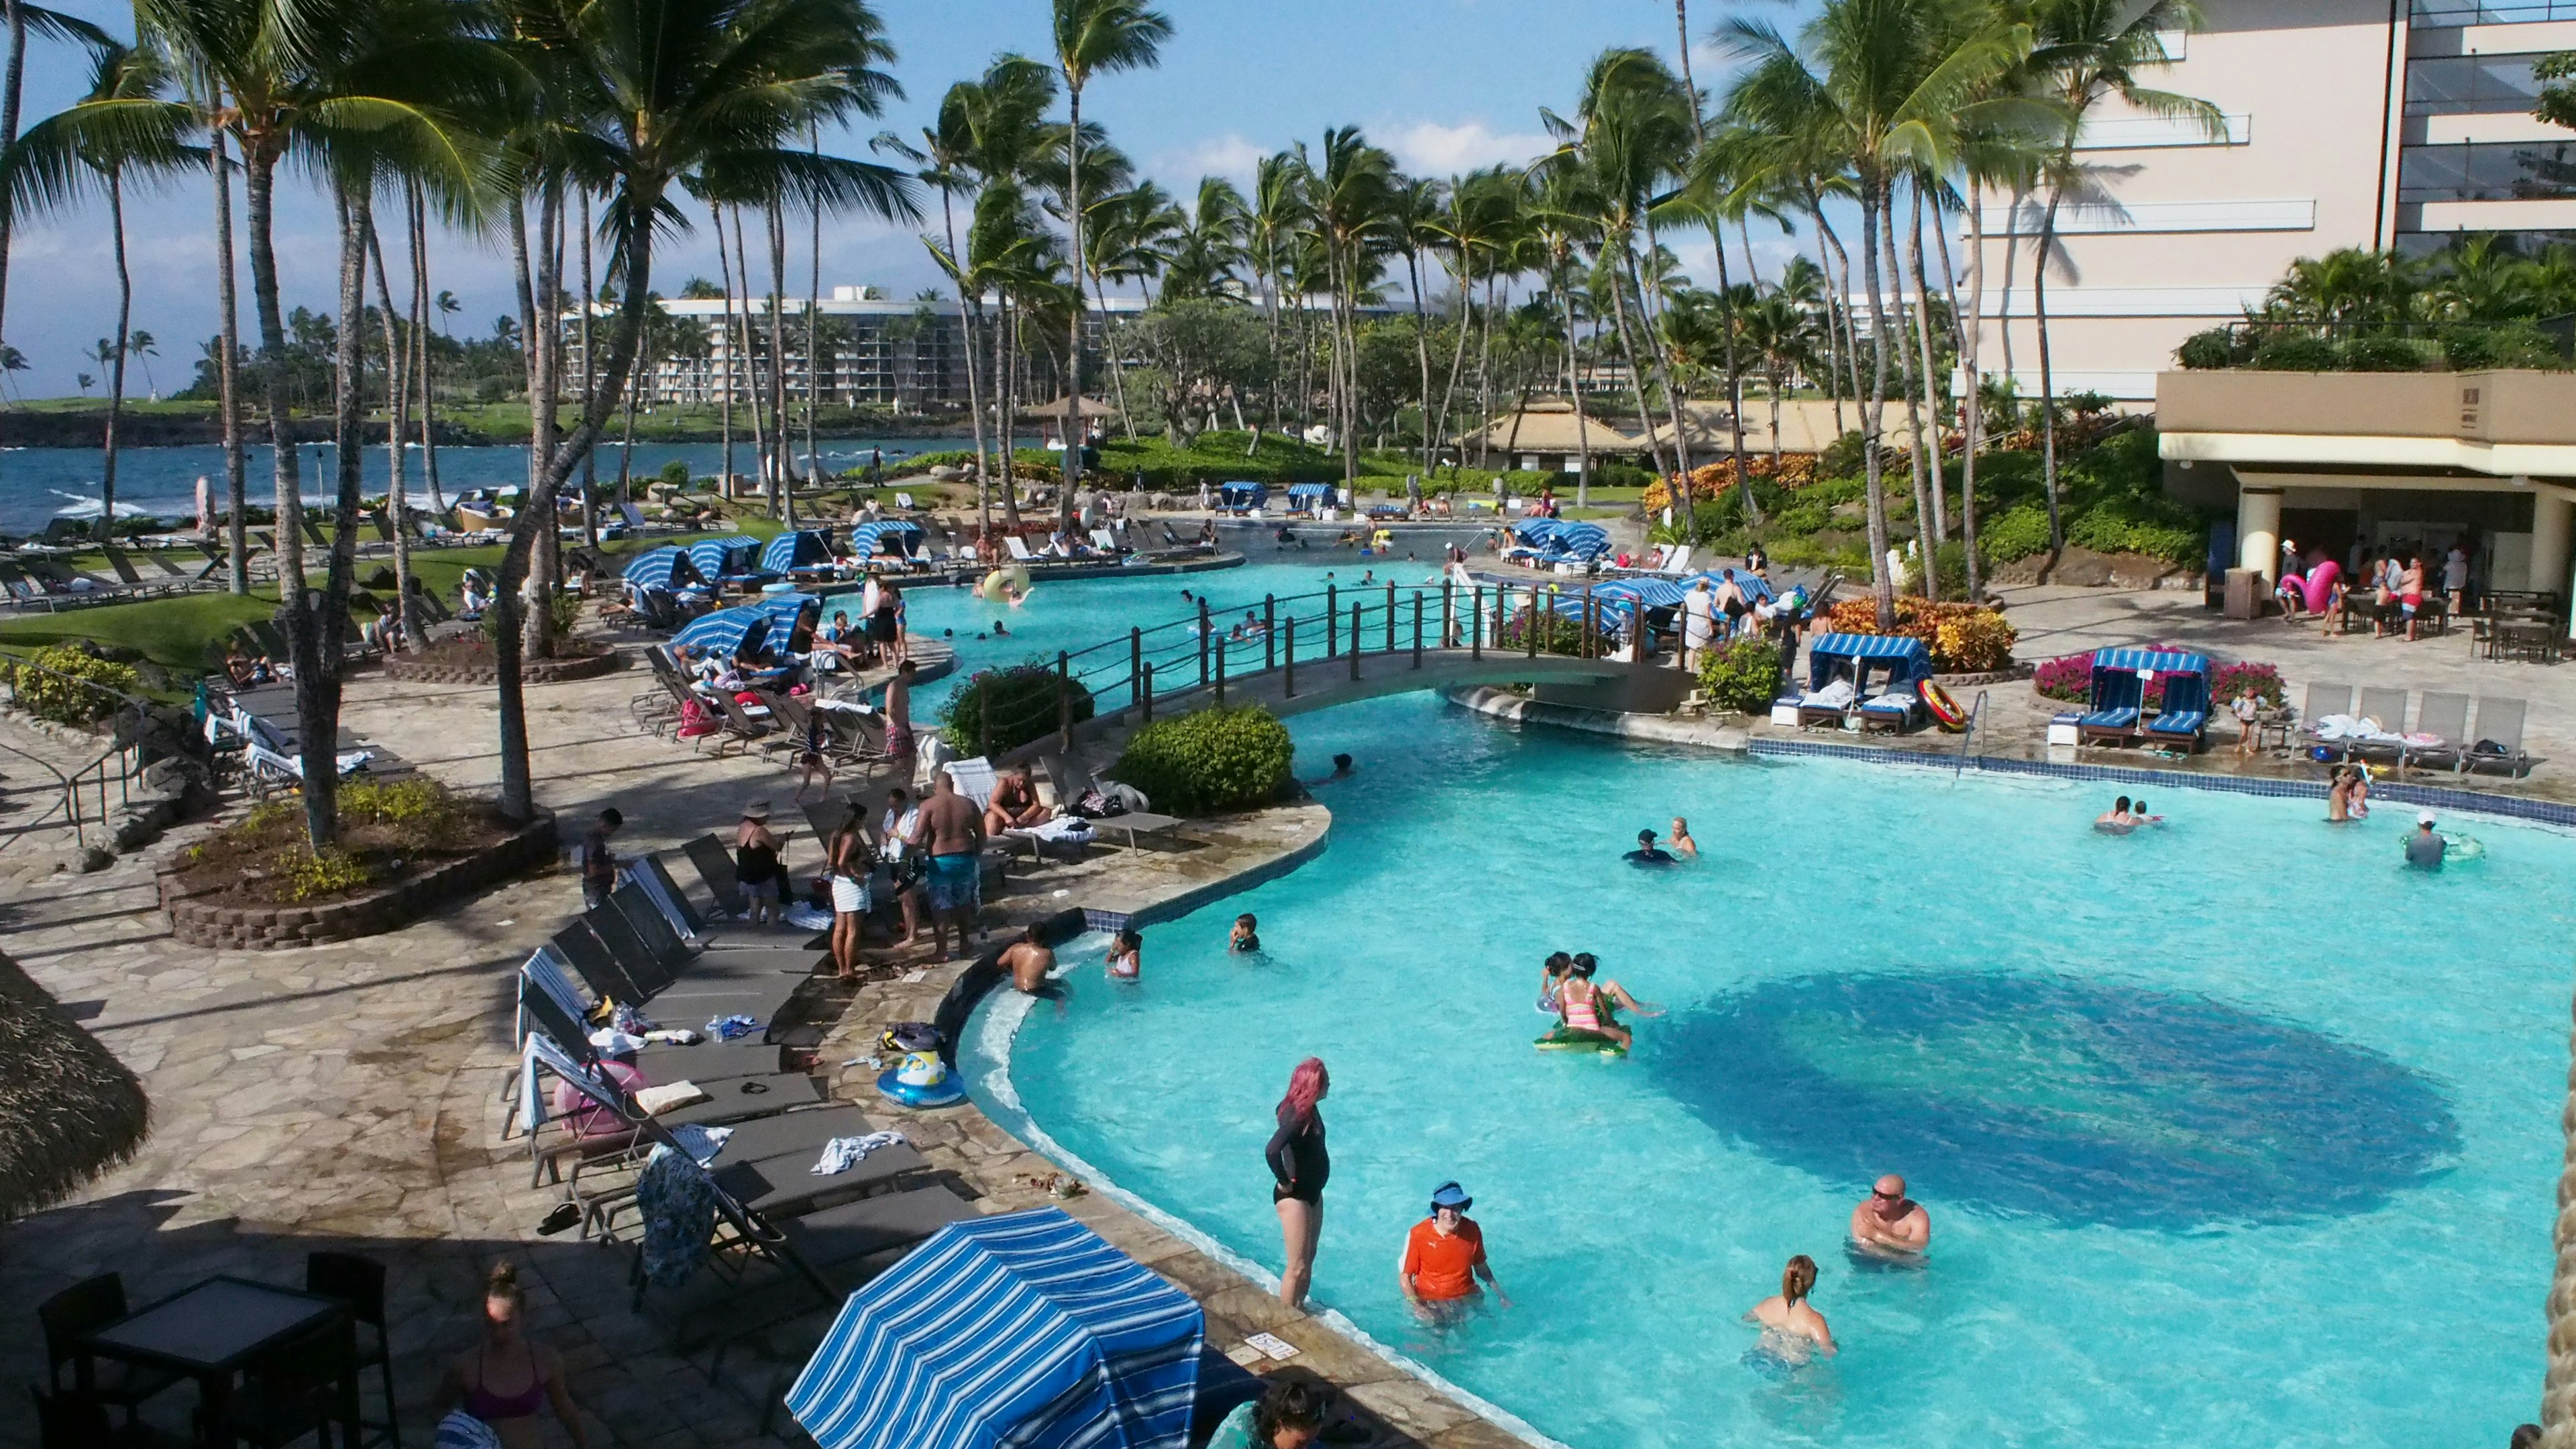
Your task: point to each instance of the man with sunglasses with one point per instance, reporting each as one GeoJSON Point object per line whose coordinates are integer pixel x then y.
{"type": "Point", "coordinates": [1889, 1221]}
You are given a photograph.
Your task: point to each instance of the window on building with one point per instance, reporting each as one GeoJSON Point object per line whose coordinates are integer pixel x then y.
{"type": "Point", "coordinates": [2524, 243]}
{"type": "Point", "coordinates": [2488, 171]}
{"type": "Point", "coordinates": [2471, 85]}
{"type": "Point", "coordinates": [2441, 14]}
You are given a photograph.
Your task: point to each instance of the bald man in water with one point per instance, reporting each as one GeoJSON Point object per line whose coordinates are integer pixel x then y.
{"type": "Point", "coordinates": [1889, 1220]}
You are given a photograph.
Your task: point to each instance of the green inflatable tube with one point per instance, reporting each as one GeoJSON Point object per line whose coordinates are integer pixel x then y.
{"type": "Point", "coordinates": [1568, 1039]}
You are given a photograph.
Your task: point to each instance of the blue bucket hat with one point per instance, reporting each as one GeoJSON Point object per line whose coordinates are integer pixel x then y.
{"type": "Point", "coordinates": [1450, 1195]}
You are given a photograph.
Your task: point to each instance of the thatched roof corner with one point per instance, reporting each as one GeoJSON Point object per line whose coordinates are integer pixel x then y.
{"type": "Point", "coordinates": [69, 1110]}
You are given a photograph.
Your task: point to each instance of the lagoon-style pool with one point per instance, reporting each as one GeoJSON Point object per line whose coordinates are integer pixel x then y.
{"type": "Point", "coordinates": [2233, 1132]}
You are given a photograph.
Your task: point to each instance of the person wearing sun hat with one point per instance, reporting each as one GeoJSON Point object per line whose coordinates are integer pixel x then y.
{"type": "Point", "coordinates": [2425, 848]}
{"type": "Point", "coordinates": [1444, 1255]}
{"type": "Point", "coordinates": [756, 866]}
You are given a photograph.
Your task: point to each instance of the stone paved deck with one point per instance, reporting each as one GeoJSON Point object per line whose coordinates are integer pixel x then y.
{"type": "Point", "coordinates": [350, 1096]}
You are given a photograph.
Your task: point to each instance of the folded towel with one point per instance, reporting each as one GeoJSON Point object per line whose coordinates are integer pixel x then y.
{"type": "Point", "coordinates": [657, 1100]}
{"type": "Point", "coordinates": [701, 1143]}
{"type": "Point", "coordinates": [1833, 696]}
{"type": "Point", "coordinates": [843, 1153]}
{"type": "Point", "coordinates": [614, 1043]}
{"type": "Point", "coordinates": [1071, 828]}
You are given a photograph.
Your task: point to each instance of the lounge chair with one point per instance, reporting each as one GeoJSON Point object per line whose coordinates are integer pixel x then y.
{"type": "Point", "coordinates": [134, 583]}
{"type": "Point", "coordinates": [617, 965]}
{"type": "Point", "coordinates": [715, 868]}
{"type": "Point", "coordinates": [2441, 735]}
{"type": "Point", "coordinates": [1019, 548]}
{"type": "Point", "coordinates": [2388, 708]}
{"type": "Point", "coordinates": [1895, 710]}
{"type": "Point", "coordinates": [542, 989]}
{"type": "Point", "coordinates": [1826, 707]}
{"type": "Point", "coordinates": [2325, 701]}
{"type": "Point", "coordinates": [2114, 718]}
{"type": "Point", "coordinates": [2499, 738]}
{"type": "Point", "coordinates": [975, 780]}
{"type": "Point", "coordinates": [1676, 562]}
{"type": "Point", "coordinates": [2183, 719]}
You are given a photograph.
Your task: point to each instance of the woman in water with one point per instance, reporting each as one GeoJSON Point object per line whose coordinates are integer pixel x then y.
{"type": "Point", "coordinates": [1127, 956]}
{"type": "Point", "coordinates": [1587, 1007]}
{"type": "Point", "coordinates": [1680, 842]}
{"type": "Point", "coordinates": [2339, 798]}
{"type": "Point", "coordinates": [505, 1380]}
{"type": "Point", "coordinates": [1299, 1166]}
{"type": "Point", "coordinates": [1787, 1316]}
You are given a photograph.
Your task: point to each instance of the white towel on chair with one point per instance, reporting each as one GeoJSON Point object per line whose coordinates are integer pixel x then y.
{"type": "Point", "coordinates": [843, 1153]}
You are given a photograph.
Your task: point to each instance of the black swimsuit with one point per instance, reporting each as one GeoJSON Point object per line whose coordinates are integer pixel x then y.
{"type": "Point", "coordinates": [1298, 1159]}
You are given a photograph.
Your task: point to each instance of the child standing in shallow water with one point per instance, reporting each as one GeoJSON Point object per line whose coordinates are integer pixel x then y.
{"type": "Point", "coordinates": [1246, 936]}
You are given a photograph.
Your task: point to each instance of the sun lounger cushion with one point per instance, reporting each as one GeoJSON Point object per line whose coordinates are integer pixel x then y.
{"type": "Point", "coordinates": [2110, 719]}
{"type": "Point", "coordinates": [2178, 722]}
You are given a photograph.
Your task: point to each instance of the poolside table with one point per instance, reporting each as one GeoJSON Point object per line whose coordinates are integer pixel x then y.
{"type": "Point", "coordinates": [210, 1332]}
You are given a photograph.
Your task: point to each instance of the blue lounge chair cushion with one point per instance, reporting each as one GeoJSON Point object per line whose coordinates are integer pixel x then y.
{"type": "Point", "coordinates": [1881, 704]}
{"type": "Point", "coordinates": [2179, 722]}
{"type": "Point", "coordinates": [2111, 719]}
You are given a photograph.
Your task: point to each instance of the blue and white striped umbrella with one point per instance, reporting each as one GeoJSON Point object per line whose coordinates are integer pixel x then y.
{"type": "Point", "coordinates": [711, 554]}
{"type": "Point", "coordinates": [868, 539]}
{"type": "Point", "coordinates": [1751, 585]}
{"type": "Point", "coordinates": [781, 610]}
{"type": "Point", "coordinates": [1581, 540]}
{"type": "Point", "coordinates": [722, 633]}
{"type": "Point", "coordinates": [1025, 1330]}
{"type": "Point", "coordinates": [1534, 531]}
{"type": "Point", "coordinates": [655, 568]}
{"type": "Point", "coordinates": [1297, 491]}
{"type": "Point", "coordinates": [1653, 593]}
{"type": "Point", "coordinates": [798, 548]}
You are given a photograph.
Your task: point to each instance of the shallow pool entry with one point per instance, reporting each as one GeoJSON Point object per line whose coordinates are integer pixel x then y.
{"type": "Point", "coordinates": [2081, 1101]}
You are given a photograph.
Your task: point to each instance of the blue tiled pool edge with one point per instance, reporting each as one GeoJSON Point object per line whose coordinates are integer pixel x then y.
{"type": "Point", "coordinates": [2545, 812]}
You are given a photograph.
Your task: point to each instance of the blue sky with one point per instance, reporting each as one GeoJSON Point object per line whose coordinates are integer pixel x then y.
{"type": "Point", "coordinates": [1446, 84]}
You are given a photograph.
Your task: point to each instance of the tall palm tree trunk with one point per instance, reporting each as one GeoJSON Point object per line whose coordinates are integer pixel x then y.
{"type": "Point", "coordinates": [397, 419]}
{"type": "Point", "coordinates": [782, 502]}
{"type": "Point", "coordinates": [1074, 430]}
{"type": "Point", "coordinates": [755, 389]}
{"type": "Point", "coordinates": [1732, 360]}
{"type": "Point", "coordinates": [813, 345]}
{"type": "Point", "coordinates": [1925, 540]}
{"type": "Point", "coordinates": [2047, 382]}
{"type": "Point", "coordinates": [228, 371]}
{"type": "Point", "coordinates": [732, 354]}
{"type": "Point", "coordinates": [1873, 214]}
{"type": "Point", "coordinates": [1636, 377]}
{"type": "Point", "coordinates": [1971, 352]}
{"type": "Point", "coordinates": [259, 191]}
{"type": "Point", "coordinates": [589, 371]}
{"type": "Point", "coordinates": [116, 360]}
{"type": "Point", "coordinates": [1931, 382]}
{"type": "Point", "coordinates": [418, 219]}
{"type": "Point", "coordinates": [1421, 351]}
{"type": "Point", "coordinates": [317, 622]}
{"type": "Point", "coordinates": [1006, 365]}
{"type": "Point", "coordinates": [13, 90]}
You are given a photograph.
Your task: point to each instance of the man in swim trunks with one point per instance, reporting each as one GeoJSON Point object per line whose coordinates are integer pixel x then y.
{"type": "Point", "coordinates": [951, 830]}
{"type": "Point", "coordinates": [1889, 1220]}
{"type": "Point", "coordinates": [898, 712]}
{"type": "Point", "coordinates": [1647, 854]}
{"type": "Point", "coordinates": [1444, 1255]}
{"type": "Point", "coordinates": [1028, 960]}
{"type": "Point", "coordinates": [2425, 849]}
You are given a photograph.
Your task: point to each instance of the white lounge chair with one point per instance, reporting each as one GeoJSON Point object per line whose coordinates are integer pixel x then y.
{"type": "Point", "coordinates": [904, 500]}
{"type": "Point", "coordinates": [1101, 539]}
{"type": "Point", "coordinates": [974, 779]}
{"type": "Point", "coordinates": [1677, 561]}
{"type": "Point", "coordinates": [1019, 548]}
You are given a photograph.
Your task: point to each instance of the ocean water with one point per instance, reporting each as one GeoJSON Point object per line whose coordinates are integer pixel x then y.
{"type": "Point", "coordinates": [35, 483]}
{"type": "Point", "coordinates": [2232, 1131]}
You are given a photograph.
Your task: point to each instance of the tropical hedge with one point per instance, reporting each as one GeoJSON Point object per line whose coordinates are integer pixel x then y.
{"type": "Point", "coordinates": [1209, 760]}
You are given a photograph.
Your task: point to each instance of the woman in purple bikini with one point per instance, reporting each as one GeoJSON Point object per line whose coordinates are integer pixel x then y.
{"type": "Point", "coordinates": [505, 1380]}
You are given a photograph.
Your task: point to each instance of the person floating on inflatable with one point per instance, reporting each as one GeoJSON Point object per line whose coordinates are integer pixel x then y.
{"type": "Point", "coordinates": [1587, 1011]}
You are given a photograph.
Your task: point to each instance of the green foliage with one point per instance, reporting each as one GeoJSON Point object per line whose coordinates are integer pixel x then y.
{"type": "Point", "coordinates": [1844, 457]}
{"type": "Point", "coordinates": [567, 611]}
{"type": "Point", "coordinates": [1557, 633]}
{"type": "Point", "coordinates": [2215, 348]}
{"type": "Point", "coordinates": [2513, 344]}
{"type": "Point", "coordinates": [69, 686]}
{"type": "Point", "coordinates": [419, 812]}
{"type": "Point", "coordinates": [304, 874]}
{"type": "Point", "coordinates": [1209, 760]}
{"type": "Point", "coordinates": [2295, 352]}
{"type": "Point", "coordinates": [1743, 677]}
{"type": "Point", "coordinates": [1020, 703]}
{"type": "Point", "coordinates": [2019, 533]}
{"type": "Point", "coordinates": [2383, 354]}
{"type": "Point", "coordinates": [675, 473]}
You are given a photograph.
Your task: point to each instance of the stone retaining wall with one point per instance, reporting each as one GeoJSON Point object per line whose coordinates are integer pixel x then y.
{"type": "Point", "coordinates": [531, 671]}
{"type": "Point", "coordinates": [201, 922]}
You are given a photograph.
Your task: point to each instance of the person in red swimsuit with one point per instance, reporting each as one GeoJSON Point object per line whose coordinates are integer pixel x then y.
{"type": "Point", "coordinates": [505, 1379]}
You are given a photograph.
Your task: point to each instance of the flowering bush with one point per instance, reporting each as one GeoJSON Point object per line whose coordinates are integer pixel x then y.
{"type": "Point", "coordinates": [2069, 679]}
{"type": "Point", "coordinates": [1742, 677]}
{"type": "Point", "coordinates": [1963, 638]}
{"type": "Point", "coordinates": [2263, 681]}
{"type": "Point", "coordinates": [1796, 471]}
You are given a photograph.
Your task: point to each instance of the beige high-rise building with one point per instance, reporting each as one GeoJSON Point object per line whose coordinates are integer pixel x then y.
{"type": "Point", "coordinates": [2348, 123]}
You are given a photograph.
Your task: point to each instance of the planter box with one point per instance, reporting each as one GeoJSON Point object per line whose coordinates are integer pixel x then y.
{"type": "Point", "coordinates": [282, 927]}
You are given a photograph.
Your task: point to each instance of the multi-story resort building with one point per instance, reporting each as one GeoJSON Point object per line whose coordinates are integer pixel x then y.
{"type": "Point", "coordinates": [2377, 124]}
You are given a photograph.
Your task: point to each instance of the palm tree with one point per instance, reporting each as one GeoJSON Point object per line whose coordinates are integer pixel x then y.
{"type": "Point", "coordinates": [1201, 256]}
{"type": "Point", "coordinates": [21, 19]}
{"type": "Point", "coordinates": [1092, 37]}
{"type": "Point", "coordinates": [1276, 211]}
{"type": "Point", "coordinates": [121, 128]}
{"type": "Point", "coordinates": [1776, 333]}
{"type": "Point", "coordinates": [1413, 225]}
{"type": "Point", "coordinates": [2084, 52]}
{"type": "Point", "coordinates": [1885, 85]}
{"type": "Point", "coordinates": [1476, 227]}
{"type": "Point", "coordinates": [1351, 197]}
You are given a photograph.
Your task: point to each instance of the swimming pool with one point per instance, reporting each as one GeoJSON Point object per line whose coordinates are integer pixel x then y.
{"type": "Point", "coordinates": [2233, 1132]}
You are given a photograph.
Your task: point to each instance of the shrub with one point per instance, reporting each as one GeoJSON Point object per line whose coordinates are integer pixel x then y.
{"type": "Point", "coordinates": [567, 610]}
{"type": "Point", "coordinates": [1962, 638]}
{"type": "Point", "coordinates": [1743, 677]}
{"type": "Point", "coordinates": [70, 686]}
{"type": "Point", "coordinates": [1003, 709]}
{"type": "Point", "coordinates": [423, 814]}
{"type": "Point", "coordinates": [1557, 633]}
{"type": "Point", "coordinates": [2019, 533]}
{"type": "Point", "coordinates": [2202, 351]}
{"type": "Point", "coordinates": [2383, 354]}
{"type": "Point", "coordinates": [306, 874]}
{"type": "Point", "coordinates": [2263, 681]}
{"type": "Point", "coordinates": [675, 473]}
{"type": "Point", "coordinates": [1209, 760]}
{"type": "Point", "coordinates": [2512, 344]}
{"type": "Point", "coordinates": [2069, 678]}
{"type": "Point", "coordinates": [2295, 352]}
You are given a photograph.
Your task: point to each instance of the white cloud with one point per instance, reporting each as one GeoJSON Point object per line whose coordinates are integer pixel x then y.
{"type": "Point", "coordinates": [1432, 149]}
{"type": "Point", "coordinates": [1230, 155]}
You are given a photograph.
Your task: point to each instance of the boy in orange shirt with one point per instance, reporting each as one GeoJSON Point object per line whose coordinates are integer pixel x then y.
{"type": "Point", "coordinates": [1444, 1255]}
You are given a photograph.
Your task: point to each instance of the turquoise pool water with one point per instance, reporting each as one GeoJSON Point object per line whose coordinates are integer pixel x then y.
{"type": "Point", "coordinates": [2233, 1132]}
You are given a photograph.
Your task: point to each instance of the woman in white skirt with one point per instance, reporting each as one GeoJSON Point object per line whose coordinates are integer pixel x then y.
{"type": "Point", "coordinates": [850, 860]}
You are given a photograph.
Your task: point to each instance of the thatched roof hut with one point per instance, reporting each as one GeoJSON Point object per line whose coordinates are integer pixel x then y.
{"type": "Point", "coordinates": [69, 1109]}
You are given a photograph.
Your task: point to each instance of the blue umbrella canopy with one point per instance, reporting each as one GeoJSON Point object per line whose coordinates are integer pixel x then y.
{"type": "Point", "coordinates": [1025, 1330]}
{"type": "Point", "coordinates": [714, 557]}
{"type": "Point", "coordinates": [798, 548]}
{"type": "Point", "coordinates": [868, 540]}
{"type": "Point", "coordinates": [658, 568]}
{"type": "Point", "coordinates": [724, 632]}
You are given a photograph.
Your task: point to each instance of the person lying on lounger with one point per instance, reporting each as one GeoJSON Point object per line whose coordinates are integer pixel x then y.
{"type": "Point", "coordinates": [1014, 804]}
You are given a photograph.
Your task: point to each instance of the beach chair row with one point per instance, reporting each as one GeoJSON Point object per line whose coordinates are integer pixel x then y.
{"type": "Point", "coordinates": [2371, 724]}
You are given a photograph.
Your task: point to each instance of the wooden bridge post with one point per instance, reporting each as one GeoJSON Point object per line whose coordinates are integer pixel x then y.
{"type": "Point", "coordinates": [1591, 626]}
{"type": "Point", "coordinates": [1148, 706]}
{"type": "Point", "coordinates": [1529, 626]}
{"type": "Point", "coordinates": [1332, 620]}
{"type": "Point", "coordinates": [1357, 612]}
{"type": "Point", "coordinates": [1417, 628]}
{"type": "Point", "coordinates": [1220, 674]}
{"type": "Point", "coordinates": [1390, 616]}
{"type": "Point", "coordinates": [1135, 666]}
{"type": "Point", "coordinates": [1203, 643]}
{"type": "Point", "coordinates": [1476, 622]}
{"type": "Point", "coordinates": [1063, 701]}
{"type": "Point", "coordinates": [1448, 621]}
{"type": "Point", "coordinates": [1288, 681]}
{"type": "Point", "coordinates": [1269, 631]}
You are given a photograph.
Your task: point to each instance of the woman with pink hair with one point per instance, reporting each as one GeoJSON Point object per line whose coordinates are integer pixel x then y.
{"type": "Point", "coordinates": [1300, 1165]}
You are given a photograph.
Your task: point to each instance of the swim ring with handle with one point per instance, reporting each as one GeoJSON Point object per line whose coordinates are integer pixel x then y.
{"type": "Point", "coordinates": [1945, 710]}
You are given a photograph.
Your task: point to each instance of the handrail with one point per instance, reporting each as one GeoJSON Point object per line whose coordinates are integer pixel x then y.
{"type": "Point", "coordinates": [1968, 736]}
{"type": "Point", "coordinates": [127, 752]}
